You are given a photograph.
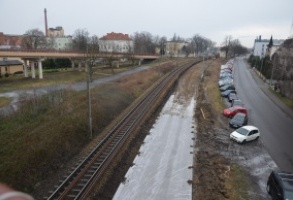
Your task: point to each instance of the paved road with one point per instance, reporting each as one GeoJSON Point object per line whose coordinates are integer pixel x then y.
{"type": "Point", "coordinates": [271, 116]}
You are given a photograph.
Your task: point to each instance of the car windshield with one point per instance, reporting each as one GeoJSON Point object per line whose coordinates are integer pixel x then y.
{"type": "Point", "coordinates": [288, 195]}
{"type": "Point", "coordinates": [242, 131]}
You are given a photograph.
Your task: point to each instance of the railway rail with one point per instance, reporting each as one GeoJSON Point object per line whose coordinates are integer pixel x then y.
{"type": "Point", "coordinates": [82, 179]}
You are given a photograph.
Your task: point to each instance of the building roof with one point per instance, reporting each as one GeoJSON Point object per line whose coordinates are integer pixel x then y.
{"type": "Point", "coordinates": [115, 36]}
{"type": "Point", "coordinates": [10, 62]}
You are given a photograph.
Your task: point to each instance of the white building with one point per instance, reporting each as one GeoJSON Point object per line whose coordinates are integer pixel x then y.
{"type": "Point", "coordinates": [116, 43]}
{"type": "Point", "coordinates": [175, 48]}
{"type": "Point", "coordinates": [260, 47]}
{"type": "Point", "coordinates": [59, 43]}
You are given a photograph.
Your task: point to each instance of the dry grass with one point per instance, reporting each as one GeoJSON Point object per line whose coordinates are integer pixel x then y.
{"type": "Point", "coordinates": [49, 130]}
{"type": "Point", "coordinates": [237, 183]}
{"type": "Point", "coordinates": [4, 101]}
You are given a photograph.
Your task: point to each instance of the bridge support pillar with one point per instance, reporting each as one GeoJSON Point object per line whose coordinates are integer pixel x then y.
{"type": "Point", "coordinates": [79, 66]}
{"type": "Point", "coordinates": [33, 69]}
{"type": "Point", "coordinates": [40, 69]}
{"type": "Point", "coordinates": [139, 62]}
{"type": "Point", "coordinates": [117, 64]}
{"type": "Point", "coordinates": [72, 64]}
{"type": "Point", "coordinates": [25, 66]}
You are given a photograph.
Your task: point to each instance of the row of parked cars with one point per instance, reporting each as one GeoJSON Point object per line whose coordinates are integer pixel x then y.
{"type": "Point", "coordinates": [236, 111]}
{"type": "Point", "coordinates": [280, 183]}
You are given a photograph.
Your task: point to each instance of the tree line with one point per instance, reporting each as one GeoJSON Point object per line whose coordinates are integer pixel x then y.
{"type": "Point", "coordinates": [144, 43]}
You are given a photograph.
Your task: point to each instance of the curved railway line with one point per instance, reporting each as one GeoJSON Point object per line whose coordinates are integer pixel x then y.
{"type": "Point", "coordinates": [82, 179]}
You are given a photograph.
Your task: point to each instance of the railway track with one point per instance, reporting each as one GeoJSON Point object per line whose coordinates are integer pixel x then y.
{"type": "Point", "coordinates": [83, 178]}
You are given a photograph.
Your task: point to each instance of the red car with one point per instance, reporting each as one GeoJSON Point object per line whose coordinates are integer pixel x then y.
{"type": "Point", "coordinates": [230, 112]}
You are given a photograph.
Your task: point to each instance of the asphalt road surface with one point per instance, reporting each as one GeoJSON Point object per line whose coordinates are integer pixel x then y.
{"type": "Point", "coordinates": [271, 116]}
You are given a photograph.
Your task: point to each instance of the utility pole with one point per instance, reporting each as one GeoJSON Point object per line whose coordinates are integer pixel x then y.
{"type": "Point", "coordinates": [89, 101]}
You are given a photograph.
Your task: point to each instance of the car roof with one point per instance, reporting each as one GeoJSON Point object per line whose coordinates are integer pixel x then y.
{"type": "Point", "coordinates": [237, 114]}
{"type": "Point", "coordinates": [286, 178]}
{"type": "Point", "coordinates": [249, 127]}
{"type": "Point", "coordinates": [239, 108]}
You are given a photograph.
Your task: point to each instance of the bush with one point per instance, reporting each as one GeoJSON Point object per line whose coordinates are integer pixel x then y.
{"type": "Point", "coordinates": [6, 75]}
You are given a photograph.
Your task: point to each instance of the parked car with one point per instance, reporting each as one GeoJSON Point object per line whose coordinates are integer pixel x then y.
{"type": "Point", "coordinates": [227, 87]}
{"type": "Point", "coordinates": [224, 76]}
{"type": "Point", "coordinates": [232, 96]}
{"type": "Point", "coordinates": [236, 102]}
{"type": "Point", "coordinates": [240, 119]}
{"type": "Point", "coordinates": [279, 185]}
{"type": "Point", "coordinates": [245, 134]}
{"type": "Point", "coordinates": [227, 81]}
{"type": "Point", "coordinates": [227, 92]}
{"type": "Point", "coordinates": [230, 112]}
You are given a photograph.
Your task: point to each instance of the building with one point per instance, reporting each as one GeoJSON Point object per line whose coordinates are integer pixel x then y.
{"type": "Point", "coordinates": [175, 48]}
{"type": "Point", "coordinates": [10, 41]}
{"type": "Point", "coordinates": [260, 47]}
{"type": "Point", "coordinates": [59, 43]}
{"type": "Point", "coordinates": [116, 43]}
{"type": "Point", "coordinates": [56, 32]}
{"type": "Point", "coordinates": [10, 67]}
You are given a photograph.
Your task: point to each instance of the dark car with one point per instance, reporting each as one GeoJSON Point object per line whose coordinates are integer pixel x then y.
{"type": "Point", "coordinates": [280, 185]}
{"type": "Point", "coordinates": [236, 102]}
{"type": "Point", "coordinates": [227, 87]}
{"type": "Point", "coordinates": [232, 96]}
{"type": "Point", "coordinates": [239, 120]}
{"type": "Point", "coordinates": [227, 92]}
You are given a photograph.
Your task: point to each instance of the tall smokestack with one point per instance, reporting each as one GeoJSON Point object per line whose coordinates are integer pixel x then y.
{"type": "Point", "coordinates": [46, 23]}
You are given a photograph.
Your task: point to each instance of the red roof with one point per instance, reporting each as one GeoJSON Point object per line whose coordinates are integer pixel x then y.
{"type": "Point", "coordinates": [115, 36]}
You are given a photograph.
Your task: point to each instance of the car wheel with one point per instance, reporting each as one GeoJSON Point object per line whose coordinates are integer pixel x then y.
{"type": "Point", "coordinates": [257, 138]}
{"type": "Point", "coordinates": [243, 141]}
{"type": "Point", "coordinates": [268, 188]}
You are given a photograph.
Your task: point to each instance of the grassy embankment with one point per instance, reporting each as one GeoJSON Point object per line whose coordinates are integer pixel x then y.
{"type": "Point", "coordinates": [49, 130]}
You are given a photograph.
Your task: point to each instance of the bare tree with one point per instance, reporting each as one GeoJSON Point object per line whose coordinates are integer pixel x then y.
{"type": "Point", "coordinates": [162, 45]}
{"type": "Point", "coordinates": [143, 43]}
{"type": "Point", "coordinates": [227, 44]}
{"type": "Point", "coordinates": [200, 44]}
{"type": "Point", "coordinates": [33, 39]}
{"type": "Point", "coordinates": [80, 40]}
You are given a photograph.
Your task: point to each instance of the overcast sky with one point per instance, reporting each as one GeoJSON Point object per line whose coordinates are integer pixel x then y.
{"type": "Point", "coordinates": [213, 19]}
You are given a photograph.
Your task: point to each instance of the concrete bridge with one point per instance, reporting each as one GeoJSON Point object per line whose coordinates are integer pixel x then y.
{"type": "Point", "coordinates": [31, 58]}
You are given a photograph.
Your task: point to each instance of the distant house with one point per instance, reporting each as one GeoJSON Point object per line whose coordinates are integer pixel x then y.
{"type": "Point", "coordinates": [10, 67]}
{"type": "Point", "coordinates": [59, 43]}
{"type": "Point", "coordinates": [260, 47]}
{"type": "Point", "coordinates": [8, 41]}
{"type": "Point", "coordinates": [116, 43]}
{"type": "Point", "coordinates": [175, 48]}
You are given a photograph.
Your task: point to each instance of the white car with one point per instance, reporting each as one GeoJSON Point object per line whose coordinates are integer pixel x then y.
{"type": "Point", "coordinates": [245, 134]}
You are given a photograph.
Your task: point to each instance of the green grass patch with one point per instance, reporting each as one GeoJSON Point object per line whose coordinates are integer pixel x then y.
{"type": "Point", "coordinates": [285, 100]}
